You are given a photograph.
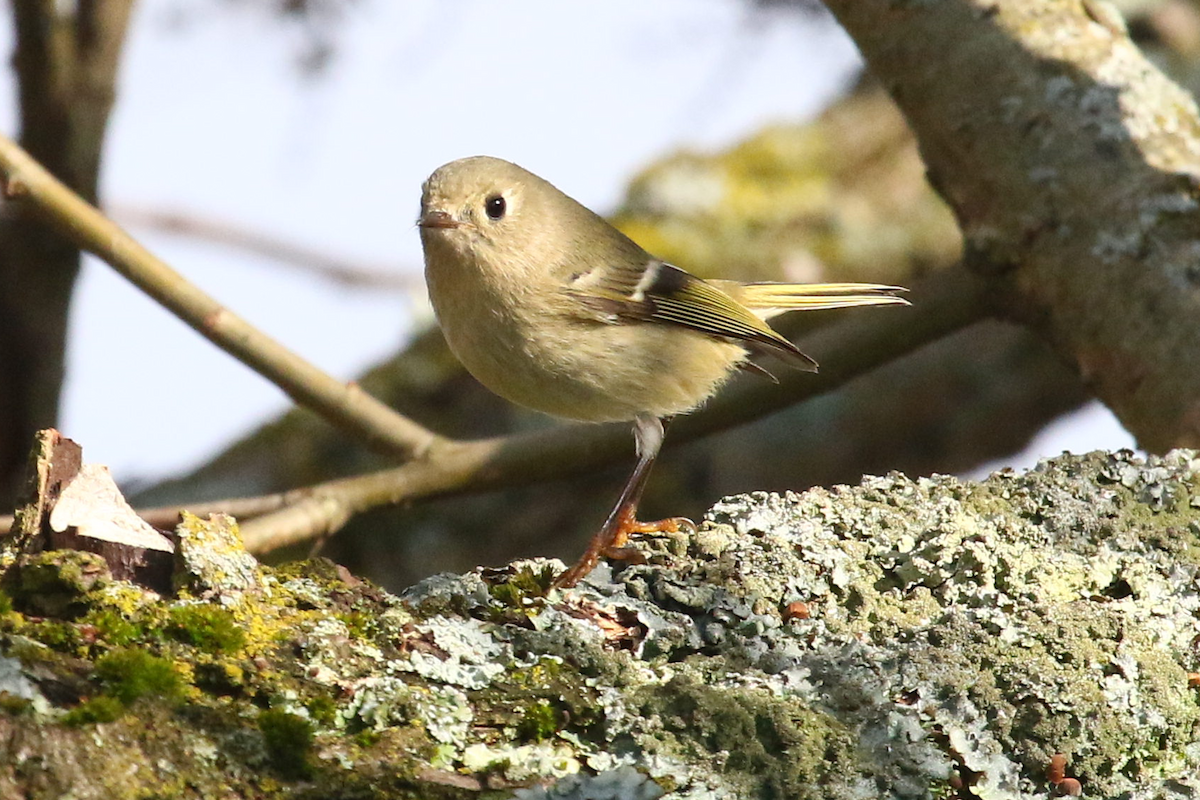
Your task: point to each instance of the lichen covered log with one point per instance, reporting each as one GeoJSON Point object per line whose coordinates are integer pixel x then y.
{"type": "Point", "coordinates": [928, 638]}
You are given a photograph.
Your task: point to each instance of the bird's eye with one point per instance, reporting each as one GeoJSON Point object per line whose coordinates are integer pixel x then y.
{"type": "Point", "coordinates": [495, 206]}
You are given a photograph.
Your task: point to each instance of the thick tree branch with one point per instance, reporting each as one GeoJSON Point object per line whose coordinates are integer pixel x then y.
{"type": "Point", "coordinates": [345, 404]}
{"type": "Point", "coordinates": [1073, 165]}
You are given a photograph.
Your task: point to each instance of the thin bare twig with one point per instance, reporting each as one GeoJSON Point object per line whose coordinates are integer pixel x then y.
{"type": "Point", "coordinates": [339, 270]}
{"type": "Point", "coordinates": [345, 405]}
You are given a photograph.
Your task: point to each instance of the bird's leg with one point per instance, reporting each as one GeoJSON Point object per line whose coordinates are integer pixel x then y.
{"type": "Point", "coordinates": [610, 540]}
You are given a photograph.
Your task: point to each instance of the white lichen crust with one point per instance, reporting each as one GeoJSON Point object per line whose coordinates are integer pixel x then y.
{"type": "Point", "coordinates": [956, 635]}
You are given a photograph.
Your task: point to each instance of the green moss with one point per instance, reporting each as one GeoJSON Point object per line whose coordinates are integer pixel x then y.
{"type": "Point", "coordinates": [539, 699]}
{"type": "Point", "coordinates": [539, 722]}
{"type": "Point", "coordinates": [58, 583]}
{"type": "Point", "coordinates": [519, 595]}
{"type": "Point", "coordinates": [113, 627]}
{"type": "Point", "coordinates": [98, 709]}
{"type": "Point", "coordinates": [772, 748]}
{"type": "Point", "coordinates": [367, 738]}
{"type": "Point", "coordinates": [360, 624]}
{"type": "Point", "coordinates": [288, 739]}
{"type": "Point", "coordinates": [320, 570]}
{"type": "Point", "coordinates": [208, 627]}
{"type": "Point", "coordinates": [129, 675]}
{"type": "Point", "coordinates": [221, 678]}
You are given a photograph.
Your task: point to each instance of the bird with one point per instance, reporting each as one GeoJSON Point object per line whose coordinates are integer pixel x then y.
{"type": "Point", "coordinates": [552, 308]}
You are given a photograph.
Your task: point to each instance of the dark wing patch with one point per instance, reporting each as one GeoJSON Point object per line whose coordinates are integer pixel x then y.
{"type": "Point", "coordinates": [660, 292]}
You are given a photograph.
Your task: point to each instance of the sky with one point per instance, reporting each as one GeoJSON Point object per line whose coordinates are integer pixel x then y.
{"type": "Point", "coordinates": [215, 119]}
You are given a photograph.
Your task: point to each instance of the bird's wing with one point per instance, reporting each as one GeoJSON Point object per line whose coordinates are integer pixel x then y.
{"type": "Point", "coordinates": [662, 293]}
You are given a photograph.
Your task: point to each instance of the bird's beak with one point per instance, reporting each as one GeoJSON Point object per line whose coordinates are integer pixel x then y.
{"type": "Point", "coordinates": [437, 219]}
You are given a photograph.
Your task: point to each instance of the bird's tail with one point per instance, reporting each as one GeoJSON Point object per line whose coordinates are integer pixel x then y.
{"type": "Point", "coordinates": [780, 297]}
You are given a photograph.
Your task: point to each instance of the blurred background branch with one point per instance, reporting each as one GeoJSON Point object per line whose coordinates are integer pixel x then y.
{"type": "Point", "coordinates": [355, 412]}
{"type": "Point", "coordinates": [339, 271]}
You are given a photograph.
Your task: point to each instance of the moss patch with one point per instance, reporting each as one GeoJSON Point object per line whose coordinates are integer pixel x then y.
{"type": "Point", "coordinates": [288, 739]}
{"type": "Point", "coordinates": [130, 675]}
{"type": "Point", "coordinates": [206, 626]}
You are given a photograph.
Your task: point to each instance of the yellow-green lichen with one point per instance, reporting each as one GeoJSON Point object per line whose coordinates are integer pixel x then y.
{"type": "Point", "coordinates": [210, 557]}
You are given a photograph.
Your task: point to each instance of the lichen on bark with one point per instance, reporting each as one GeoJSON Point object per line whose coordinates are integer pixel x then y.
{"type": "Point", "coordinates": [927, 638]}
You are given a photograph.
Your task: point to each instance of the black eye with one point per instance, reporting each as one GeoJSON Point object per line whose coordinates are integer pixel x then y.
{"type": "Point", "coordinates": [495, 206]}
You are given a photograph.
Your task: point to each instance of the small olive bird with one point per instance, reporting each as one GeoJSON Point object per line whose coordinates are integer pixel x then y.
{"type": "Point", "coordinates": [551, 307]}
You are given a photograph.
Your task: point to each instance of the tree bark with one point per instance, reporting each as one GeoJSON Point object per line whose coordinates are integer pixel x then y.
{"type": "Point", "coordinates": [1073, 166]}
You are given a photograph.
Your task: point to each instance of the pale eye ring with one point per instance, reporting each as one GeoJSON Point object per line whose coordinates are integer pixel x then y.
{"type": "Point", "coordinates": [495, 207]}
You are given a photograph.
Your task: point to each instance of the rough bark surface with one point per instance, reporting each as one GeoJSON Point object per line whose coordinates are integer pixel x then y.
{"type": "Point", "coordinates": [1073, 165]}
{"type": "Point", "coordinates": [909, 639]}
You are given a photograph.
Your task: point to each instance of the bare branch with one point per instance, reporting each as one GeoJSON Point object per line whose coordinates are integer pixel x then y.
{"type": "Point", "coordinates": [324, 265]}
{"type": "Point", "coordinates": [346, 405]}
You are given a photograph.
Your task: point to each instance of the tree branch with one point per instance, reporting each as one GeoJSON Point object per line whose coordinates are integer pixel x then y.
{"type": "Point", "coordinates": [344, 404]}
{"type": "Point", "coordinates": [324, 265]}
{"type": "Point", "coordinates": [1073, 165]}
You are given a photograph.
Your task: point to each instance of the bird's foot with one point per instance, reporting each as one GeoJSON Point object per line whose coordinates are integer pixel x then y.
{"type": "Point", "coordinates": [668, 525]}
{"type": "Point", "coordinates": [612, 542]}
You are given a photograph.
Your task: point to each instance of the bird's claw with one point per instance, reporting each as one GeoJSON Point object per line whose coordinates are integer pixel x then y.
{"type": "Point", "coordinates": [668, 525]}
{"type": "Point", "coordinates": [612, 542]}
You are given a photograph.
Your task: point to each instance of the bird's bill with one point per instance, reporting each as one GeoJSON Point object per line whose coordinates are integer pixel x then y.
{"type": "Point", "coordinates": [437, 219]}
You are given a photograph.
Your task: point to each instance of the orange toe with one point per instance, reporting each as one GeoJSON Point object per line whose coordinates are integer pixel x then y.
{"type": "Point", "coordinates": [612, 542]}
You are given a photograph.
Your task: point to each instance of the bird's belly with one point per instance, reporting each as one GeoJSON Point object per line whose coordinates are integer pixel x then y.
{"type": "Point", "coordinates": [593, 371]}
